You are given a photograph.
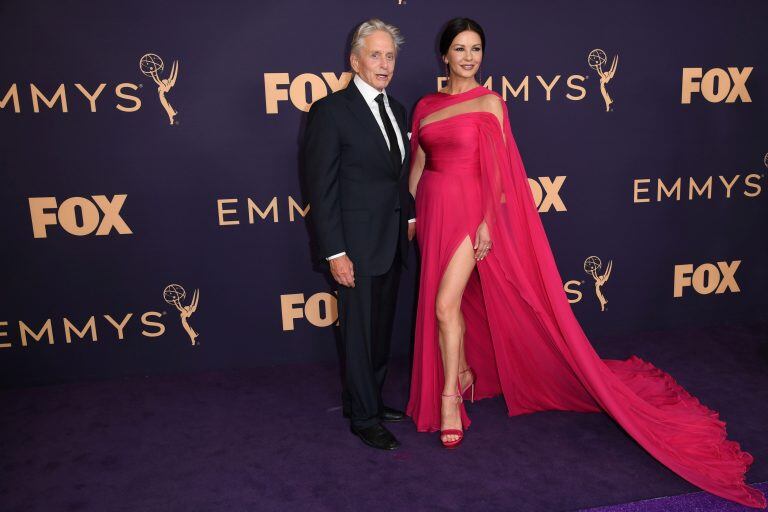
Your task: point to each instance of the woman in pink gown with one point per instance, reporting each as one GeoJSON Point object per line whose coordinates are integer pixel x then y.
{"type": "Point", "coordinates": [492, 308]}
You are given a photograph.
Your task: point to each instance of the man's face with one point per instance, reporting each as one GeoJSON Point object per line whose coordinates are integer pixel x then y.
{"type": "Point", "coordinates": [375, 61]}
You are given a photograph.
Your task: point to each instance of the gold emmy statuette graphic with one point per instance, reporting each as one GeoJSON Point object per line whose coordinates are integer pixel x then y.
{"type": "Point", "coordinates": [596, 60]}
{"type": "Point", "coordinates": [150, 65]}
{"type": "Point", "coordinates": [174, 294]}
{"type": "Point", "coordinates": [591, 266]}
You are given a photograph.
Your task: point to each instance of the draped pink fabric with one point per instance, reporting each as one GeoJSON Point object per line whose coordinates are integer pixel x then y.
{"type": "Point", "coordinates": [522, 338]}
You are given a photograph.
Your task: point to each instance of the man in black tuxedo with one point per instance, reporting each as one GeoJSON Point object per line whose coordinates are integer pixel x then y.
{"type": "Point", "coordinates": [357, 158]}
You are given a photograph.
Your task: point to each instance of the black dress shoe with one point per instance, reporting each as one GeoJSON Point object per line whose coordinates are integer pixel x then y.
{"type": "Point", "coordinates": [377, 436]}
{"type": "Point", "coordinates": [389, 414]}
{"type": "Point", "coordinates": [392, 415]}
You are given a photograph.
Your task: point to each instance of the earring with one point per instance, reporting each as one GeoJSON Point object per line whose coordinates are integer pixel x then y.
{"type": "Point", "coordinates": [479, 75]}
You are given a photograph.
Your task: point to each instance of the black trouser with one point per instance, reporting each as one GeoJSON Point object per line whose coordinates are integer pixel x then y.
{"type": "Point", "coordinates": [366, 313]}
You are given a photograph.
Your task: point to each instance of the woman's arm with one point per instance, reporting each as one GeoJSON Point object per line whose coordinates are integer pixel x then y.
{"type": "Point", "coordinates": [417, 167]}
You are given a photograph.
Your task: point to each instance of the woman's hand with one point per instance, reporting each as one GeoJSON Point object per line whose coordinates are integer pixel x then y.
{"type": "Point", "coordinates": [482, 241]}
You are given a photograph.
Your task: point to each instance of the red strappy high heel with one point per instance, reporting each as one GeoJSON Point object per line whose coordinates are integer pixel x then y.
{"type": "Point", "coordinates": [471, 386]}
{"type": "Point", "coordinates": [453, 431]}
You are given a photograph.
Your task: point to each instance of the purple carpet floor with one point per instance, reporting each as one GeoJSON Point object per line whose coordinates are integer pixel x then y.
{"type": "Point", "coordinates": [274, 439]}
{"type": "Point", "coordinates": [698, 502]}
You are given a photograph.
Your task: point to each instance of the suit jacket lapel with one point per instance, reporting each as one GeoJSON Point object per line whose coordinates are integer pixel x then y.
{"type": "Point", "coordinates": [362, 111]}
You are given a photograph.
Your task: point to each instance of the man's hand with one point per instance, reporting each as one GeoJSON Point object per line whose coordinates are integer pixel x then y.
{"type": "Point", "coordinates": [411, 230]}
{"type": "Point", "coordinates": [343, 271]}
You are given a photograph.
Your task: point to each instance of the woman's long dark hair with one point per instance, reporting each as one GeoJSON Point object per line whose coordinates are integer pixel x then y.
{"type": "Point", "coordinates": [455, 27]}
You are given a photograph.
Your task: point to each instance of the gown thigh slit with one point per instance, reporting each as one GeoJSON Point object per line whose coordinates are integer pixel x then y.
{"type": "Point", "coordinates": [522, 339]}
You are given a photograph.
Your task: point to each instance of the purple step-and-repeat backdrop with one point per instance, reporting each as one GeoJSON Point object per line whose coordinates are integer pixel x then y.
{"type": "Point", "coordinates": [153, 218]}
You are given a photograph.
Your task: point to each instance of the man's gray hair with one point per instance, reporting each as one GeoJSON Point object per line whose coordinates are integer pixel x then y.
{"type": "Point", "coordinates": [367, 28]}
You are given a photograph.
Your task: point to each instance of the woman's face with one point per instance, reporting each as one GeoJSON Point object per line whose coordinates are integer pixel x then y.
{"type": "Point", "coordinates": [465, 54]}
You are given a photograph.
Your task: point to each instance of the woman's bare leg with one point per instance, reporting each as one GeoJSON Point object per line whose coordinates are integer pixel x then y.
{"type": "Point", "coordinates": [451, 328]}
{"type": "Point", "coordinates": [465, 377]}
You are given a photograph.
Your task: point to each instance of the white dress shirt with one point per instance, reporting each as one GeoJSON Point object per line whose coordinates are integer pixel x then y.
{"type": "Point", "coordinates": [369, 95]}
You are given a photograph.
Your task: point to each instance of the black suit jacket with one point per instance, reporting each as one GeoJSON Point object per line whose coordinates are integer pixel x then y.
{"type": "Point", "coordinates": [360, 203]}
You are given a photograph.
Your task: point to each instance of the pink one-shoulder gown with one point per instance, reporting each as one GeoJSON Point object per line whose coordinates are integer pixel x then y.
{"type": "Point", "coordinates": [522, 338]}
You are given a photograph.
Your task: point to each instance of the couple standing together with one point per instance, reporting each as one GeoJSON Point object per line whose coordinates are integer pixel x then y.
{"type": "Point", "coordinates": [492, 315]}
